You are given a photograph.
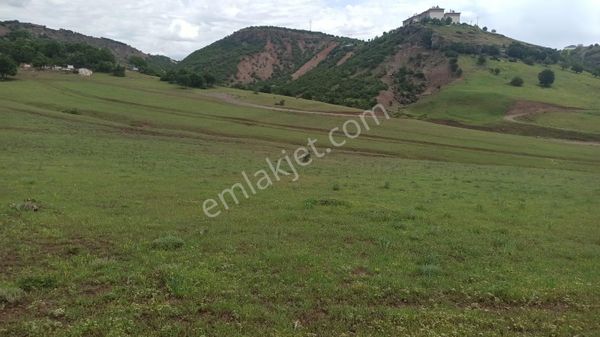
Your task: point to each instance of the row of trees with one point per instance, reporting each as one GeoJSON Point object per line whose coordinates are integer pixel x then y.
{"type": "Point", "coordinates": [188, 78]}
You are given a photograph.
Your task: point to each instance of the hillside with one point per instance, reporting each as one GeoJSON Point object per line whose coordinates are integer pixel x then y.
{"type": "Point", "coordinates": [589, 57]}
{"type": "Point", "coordinates": [121, 51]}
{"type": "Point", "coordinates": [258, 54]}
{"type": "Point", "coordinates": [395, 69]}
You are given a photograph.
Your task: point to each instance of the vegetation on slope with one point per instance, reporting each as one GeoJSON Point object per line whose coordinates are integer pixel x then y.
{"type": "Point", "coordinates": [286, 51]}
{"type": "Point", "coordinates": [156, 64]}
{"type": "Point", "coordinates": [23, 47]}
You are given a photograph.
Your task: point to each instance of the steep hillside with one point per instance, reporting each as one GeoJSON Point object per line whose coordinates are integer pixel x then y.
{"type": "Point", "coordinates": [259, 54]}
{"type": "Point", "coordinates": [395, 69]}
{"type": "Point", "coordinates": [121, 51]}
{"type": "Point", "coordinates": [589, 57]}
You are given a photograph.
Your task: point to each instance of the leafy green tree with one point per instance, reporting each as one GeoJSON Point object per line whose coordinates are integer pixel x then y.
{"type": "Point", "coordinates": [8, 67]}
{"type": "Point", "coordinates": [596, 72]}
{"type": "Point", "coordinates": [517, 82]}
{"type": "Point", "coordinates": [546, 78]}
{"type": "Point", "coordinates": [119, 71]}
{"type": "Point", "coordinates": [577, 68]}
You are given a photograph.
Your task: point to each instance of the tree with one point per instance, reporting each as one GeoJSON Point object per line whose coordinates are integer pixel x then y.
{"type": "Point", "coordinates": [564, 65]}
{"type": "Point", "coordinates": [517, 82]}
{"type": "Point", "coordinates": [8, 67]}
{"type": "Point", "coordinates": [546, 78]}
{"type": "Point", "coordinates": [485, 29]}
{"type": "Point", "coordinates": [596, 72]}
{"type": "Point", "coordinates": [577, 68]}
{"type": "Point", "coordinates": [493, 31]}
{"type": "Point", "coordinates": [119, 71]}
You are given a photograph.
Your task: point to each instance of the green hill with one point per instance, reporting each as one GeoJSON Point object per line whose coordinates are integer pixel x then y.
{"type": "Point", "coordinates": [121, 51]}
{"type": "Point", "coordinates": [395, 69]}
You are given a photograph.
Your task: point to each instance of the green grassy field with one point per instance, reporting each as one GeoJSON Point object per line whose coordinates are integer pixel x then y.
{"type": "Point", "coordinates": [412, 229]}
{"type": "Point", "coordinates": [483, 98]}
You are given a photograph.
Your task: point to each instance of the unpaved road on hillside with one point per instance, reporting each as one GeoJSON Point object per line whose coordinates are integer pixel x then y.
{"type": "Point", "coordinates": [227, 98]}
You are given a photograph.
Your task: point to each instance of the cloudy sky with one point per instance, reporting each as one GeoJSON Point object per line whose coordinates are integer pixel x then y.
{"type": "Point", "coordinates": [177, 27]}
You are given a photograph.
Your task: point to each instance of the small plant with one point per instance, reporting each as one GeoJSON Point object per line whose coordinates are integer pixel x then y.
{"type": "Point", "coordinates": [336, 187]}
{"type": "Point", "coordinates": [72, 111]}
{"type": "Point", "coordinates": [168, 243]}
{"type": "Point", "coordinates": [429, 270]}
{"type": "Point", "coordinates": [517, 82]}
{"type": "Point", "coordinates": [387, 185]}
{"type": "Point", "coordinates": [280, 103]}
{"type": "Point", "coordinates": [495, 71]}
{"type": "Point", "coordinates": [11, 295]}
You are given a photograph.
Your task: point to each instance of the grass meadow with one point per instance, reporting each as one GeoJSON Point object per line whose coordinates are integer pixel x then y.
{"type": "Point", "coordinates": [412, 229]}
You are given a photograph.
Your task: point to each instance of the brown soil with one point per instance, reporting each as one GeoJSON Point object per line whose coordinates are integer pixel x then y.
{"type": "Point", "coordinates": [528, 108]}
{"type": "Point", "coordinates": [315, 61]}
{"type": "Point", "coordinates": [345, 58]}
{"type": "Point", "coordinates": [433, 64]}
{"type": "Point", "coordinates": [260, 66]}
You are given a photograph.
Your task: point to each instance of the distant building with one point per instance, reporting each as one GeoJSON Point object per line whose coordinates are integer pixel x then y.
{"type": "Point", "coordinates": [135, 69]}
{"type": "Point", "coordinates": [25, 66]}
{"type": "Point", "coordinates": [70, 67]}
{"type": "Point", "coordinates": [85, 72]}
{"type": "Point", "coordinates": [434, 13]}
{"type": "Point", "coordinates": [571, 47]}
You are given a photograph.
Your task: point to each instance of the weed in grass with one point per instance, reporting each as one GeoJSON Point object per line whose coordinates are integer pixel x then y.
{"type": "Point", "coordinates": [336, 187]}
{"type": "Point", "coordinates": [37, 282]}
{"type": "Point", "coordinates": [311, 203]}
{"type": "Point", "coordinates": [387, 185]}
{"type": "Point", "coordinates": [170, 277]}
{"type": "Point", "coordinates": [72, 111]}
{"type": "Point", "coordinates": [429, 270]}
{"type": "Point", "coordinates": [168, 243]}
{"type": "Point", "coordinates": [29, 205]}
{"type": "Point", "coordinates": [11, 295]}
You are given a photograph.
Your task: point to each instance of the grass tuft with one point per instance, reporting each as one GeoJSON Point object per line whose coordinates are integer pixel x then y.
{"type": "Point", "coordinates": [11, 295]}
{"type": "Point", "coordinates": [37, 282]}
{"type": "Point", "coordinates": [168, 243]}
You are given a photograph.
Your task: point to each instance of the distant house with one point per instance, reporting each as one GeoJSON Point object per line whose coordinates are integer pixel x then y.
{"type": "Point", "coordinates": [25, 66]}
{"type": "Point", "coordinates": [135, 69]}
{"type": "Point", "coordinates": [70, 67]}
{"type": "Point", "coordinates": [434, 13]}
{"type": "Point", "coordinates": [85, 72]}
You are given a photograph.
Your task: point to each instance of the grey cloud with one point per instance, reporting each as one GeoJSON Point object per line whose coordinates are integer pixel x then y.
{"type": "Point", "coordinates": [178, 27]}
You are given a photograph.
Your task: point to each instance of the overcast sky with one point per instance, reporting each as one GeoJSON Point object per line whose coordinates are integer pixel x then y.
{"type": "Point", "coordinates": [178, 27]}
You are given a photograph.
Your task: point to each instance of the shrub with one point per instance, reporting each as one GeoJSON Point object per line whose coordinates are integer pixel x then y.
{"type": "Point", "coordinates": [517, 82]}
{"type": "Point", "coordinates": [168, 243]}
{"type": "Point", "coordinates": [481, 60]}
{"type": "Point", "coordinates": [546, 78]}
{"type": "Point", "coordinates": [118, 71]}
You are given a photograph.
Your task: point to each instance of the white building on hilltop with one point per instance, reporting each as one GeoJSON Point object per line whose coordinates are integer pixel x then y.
{"type": "Point", "coordinates": [434, 13]}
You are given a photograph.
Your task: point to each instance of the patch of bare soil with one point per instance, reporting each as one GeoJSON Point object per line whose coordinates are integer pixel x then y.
{"type": "Point", "coordinates": [315, 61]}
{"type": "Point", "coordinates": [345, 58]}
{"type": "Point", "coordinates": [433, 64]}
{"type": "Point", "coordinates": [529, 108]}
{"type": "Point", "coordinates": [260, 66]}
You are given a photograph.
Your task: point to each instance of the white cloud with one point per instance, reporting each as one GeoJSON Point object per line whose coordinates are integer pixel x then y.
{"type": "Point", "coordinates": [178, 27]}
